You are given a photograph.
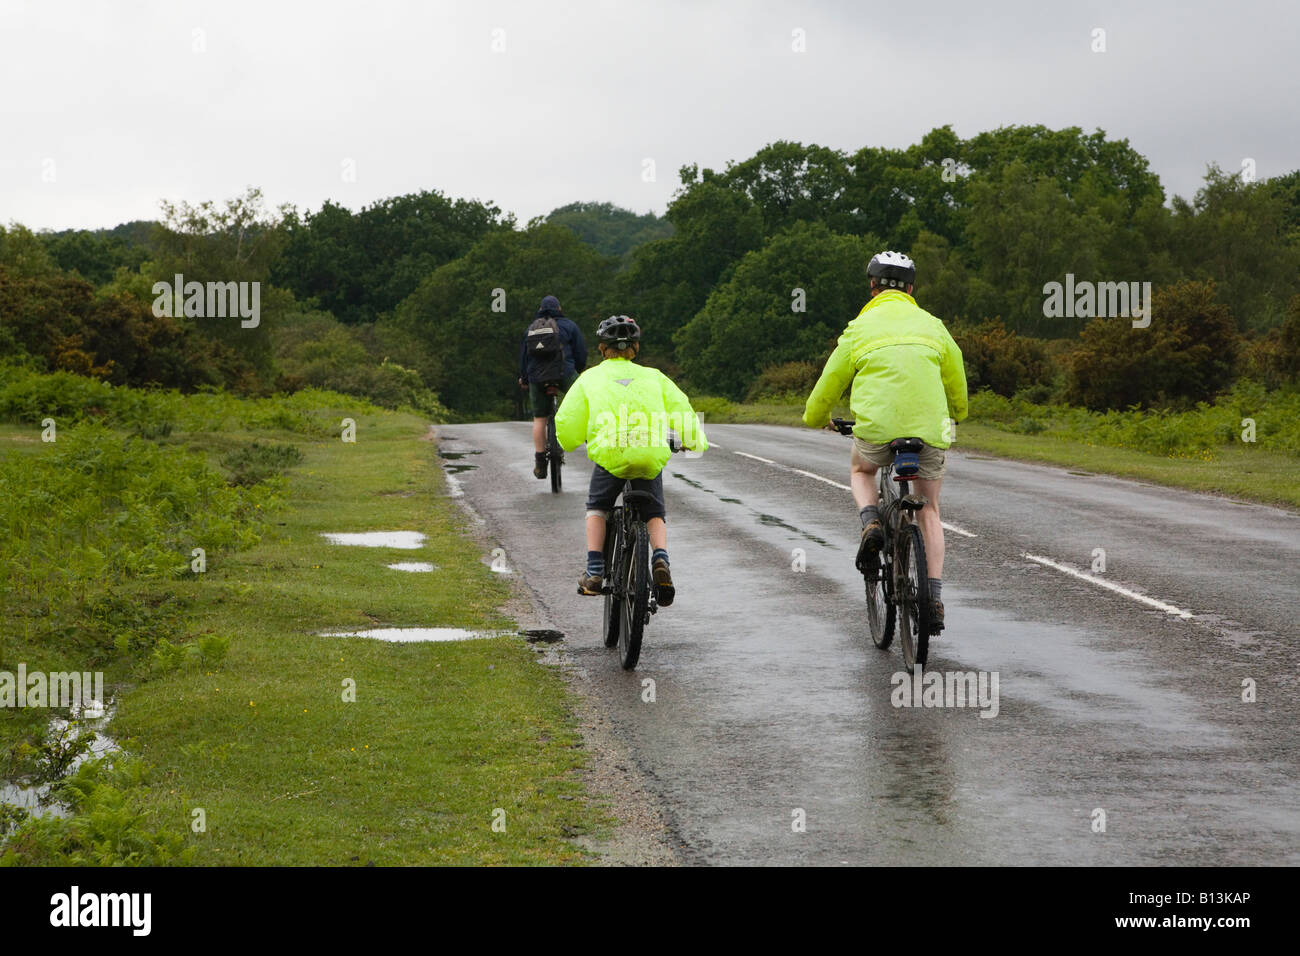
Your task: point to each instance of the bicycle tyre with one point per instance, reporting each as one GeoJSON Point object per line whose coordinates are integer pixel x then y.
{"type": "Point", "coordinates": [556, 454]}
{"type": "Point", "coordinates": [912, 594]}
{"type": "Point", "coordinates": [636, 598]}
{"type": "Point", "coordinates": [880, 607]}
{"type": "Point", "coordinates": [613, 596]}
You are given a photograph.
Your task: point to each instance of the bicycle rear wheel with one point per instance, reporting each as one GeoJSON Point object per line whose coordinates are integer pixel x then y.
{"type": "Point", "coordinates": [613, 619]}
{"type": "Point", "coordinates": [880, 609]}
{"type": "Point", "coordinates": [556, 454]}
{"type": "Point", "coordinates": [636, 598]}
{"type": "Point", "coordinates": [913, 596]}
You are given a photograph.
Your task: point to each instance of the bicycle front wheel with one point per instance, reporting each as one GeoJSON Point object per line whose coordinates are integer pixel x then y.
{"type": "Point", "coordinates": [913, 596]}
{"type": "Point", "coordinates": [613, 579]}
{"type": "Point", "coordinates": [636, 598]}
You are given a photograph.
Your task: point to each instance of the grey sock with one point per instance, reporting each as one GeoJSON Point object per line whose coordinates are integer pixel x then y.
{"type": "Point", "coordinates": [936, 589]}
{"type": "Point", "coordinates": [869, 513]}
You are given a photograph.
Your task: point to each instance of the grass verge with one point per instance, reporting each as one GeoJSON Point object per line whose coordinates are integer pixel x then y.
{"type": "Point", "coordinates": [253, 752]}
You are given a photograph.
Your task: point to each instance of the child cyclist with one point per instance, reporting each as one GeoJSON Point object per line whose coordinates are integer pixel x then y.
{"type": "Point", "coordinates": [624, 412]}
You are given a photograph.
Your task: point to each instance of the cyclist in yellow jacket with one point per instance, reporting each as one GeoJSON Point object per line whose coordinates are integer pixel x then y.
{"type": "Point", "coordinates": [908, 382]}
{"type": "Point", "coordinates": [624, 412]}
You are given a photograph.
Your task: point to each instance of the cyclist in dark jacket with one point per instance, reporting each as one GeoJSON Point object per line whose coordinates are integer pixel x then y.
{"type": "Point", "coordinates": [575, 361]}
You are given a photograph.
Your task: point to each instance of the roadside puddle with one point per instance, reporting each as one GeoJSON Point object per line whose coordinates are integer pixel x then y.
{"type": "Point", "coordinates": [62, 755]}
{"type": "Point", "coordinates": [416, 635]}
{"type": "Point", "coordinates": [417, 567]}
{"type": "Point", "coordinates": [401, 540]}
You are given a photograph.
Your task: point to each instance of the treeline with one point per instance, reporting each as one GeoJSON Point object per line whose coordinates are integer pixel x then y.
{"type": "Point", "coordinates": [742, 288]}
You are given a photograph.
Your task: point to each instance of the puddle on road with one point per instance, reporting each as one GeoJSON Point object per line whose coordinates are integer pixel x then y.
{"type": "Point", "coordinates": [415, 635]}
{"type": "Point", "coordinates": [401, 540]}
{"type": "Point", "coordinates": [456, 455]}
{"type": "Point", "coordinates": [540, 635]}
{"type": "Point", "coordinates": [457, 469]}
{"type": "Point", "coordinates": [414, 566]}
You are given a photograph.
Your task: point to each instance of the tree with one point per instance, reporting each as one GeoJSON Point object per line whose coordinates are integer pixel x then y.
{"type": "Point", "coordinates": [361, 265]}
{"type": "Point", "coordinates": [1235, 234]}
{"type": "Point", "coordinates": [787, 302]}
{"type": "Point", "coordinates": [472, 313]}
{"type": "Point", "coordinates": [790, 183]}
{"type": "Point", "coordinates": [95, 255]}
{"type": "Point", "coordinates": [669, 280]}
{"type": "Point", "coordinates": [611, 230]}
{"type": "Point", "coordinates": [235, 242]}
{"type": "Point", "coordinates": [1023, 233]}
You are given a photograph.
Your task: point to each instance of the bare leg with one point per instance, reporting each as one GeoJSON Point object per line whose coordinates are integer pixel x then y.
{"type": "Point", "coordinates": [931, 528]}
{"type": "Point", "coordinates": [658, 529]}
{"type": "Point", "coordinates": [539, 435]}
{"type": "Point", "coordinates": [862, 479]}
{"type": "Point", "coordinates": [595, 533]}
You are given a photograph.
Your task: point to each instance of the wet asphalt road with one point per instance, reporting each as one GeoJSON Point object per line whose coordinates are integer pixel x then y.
{"type": "Point", "coordinates": [770, 698]}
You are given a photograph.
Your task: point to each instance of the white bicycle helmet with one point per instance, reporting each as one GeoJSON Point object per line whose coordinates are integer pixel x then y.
{"type": "Point", "coordinates": [892, 270]}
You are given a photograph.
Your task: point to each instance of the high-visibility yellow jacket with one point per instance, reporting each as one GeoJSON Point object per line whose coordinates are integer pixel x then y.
{"type": "Point", "coordinates": [624, 411]}
{"type": "Point", "coordinates": [907, 374]}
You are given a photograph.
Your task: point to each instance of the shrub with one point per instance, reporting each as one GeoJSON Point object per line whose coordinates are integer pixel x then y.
{"type": "Point", "coordinates": [255, 463]}
{"type": "Point", "coordinates": [1186, 355]}
{"type": "Point", "coordinates": [791, 379]}
{"type": "Point", "coordinates": [1274, 358]}
{"type": "Point", "coordinates": [998, 359]}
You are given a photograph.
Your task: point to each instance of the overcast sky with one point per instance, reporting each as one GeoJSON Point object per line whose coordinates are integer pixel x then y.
{"type": "Point", "coordinates": [109, 107]}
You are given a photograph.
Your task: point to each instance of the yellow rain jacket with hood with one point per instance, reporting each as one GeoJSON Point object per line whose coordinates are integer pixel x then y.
{"type": "Point", "coordinates": [907, 374]}
{"type": "Point", "coordinates": [623, 411]}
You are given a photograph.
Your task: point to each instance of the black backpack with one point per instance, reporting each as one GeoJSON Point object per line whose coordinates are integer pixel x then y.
{"type": "Point", "coordinates": [545, 350]}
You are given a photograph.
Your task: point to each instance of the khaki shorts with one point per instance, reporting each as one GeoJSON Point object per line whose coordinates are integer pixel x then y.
{"type": "Point", "coordinates": [882, 455]}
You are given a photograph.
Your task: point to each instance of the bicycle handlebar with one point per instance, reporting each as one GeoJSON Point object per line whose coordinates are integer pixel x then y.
{"type": "Point", "coordinates": [843, 425]}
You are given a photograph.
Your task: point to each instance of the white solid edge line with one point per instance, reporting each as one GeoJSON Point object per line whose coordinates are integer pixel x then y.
{"type": "Point", "coordinates": [768, 461]}
{"type": "Point", "coordinates": [809, 474]}
{"type": "Point", "coordinates": [1109, 585]}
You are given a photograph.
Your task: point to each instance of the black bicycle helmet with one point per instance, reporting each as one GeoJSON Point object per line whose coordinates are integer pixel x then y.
{"type": "Point", "coordinates": [619, 331]}
{"type": "Point", "coordinates": [892, 270]}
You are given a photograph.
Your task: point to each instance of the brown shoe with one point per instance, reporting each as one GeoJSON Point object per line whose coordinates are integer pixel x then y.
{"type": "Point", "coordinates": [539, 464]}
{"type": "Point", "coordinates": [936, 616]}
{"type": "Point", "coordinates": [590, 584]}
{"type": "Point", "coordinates": [664, 590]}
{"type": "Point", "coordinates": [873, 536]}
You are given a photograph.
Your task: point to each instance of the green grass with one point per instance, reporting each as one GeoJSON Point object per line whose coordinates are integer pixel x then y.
{"type": "Point", "coordinates": [257, 734]}
{"type": "Point", "coordinates": [1193, 451]}
{"type": "Point", "coordinates": [1252, 474]}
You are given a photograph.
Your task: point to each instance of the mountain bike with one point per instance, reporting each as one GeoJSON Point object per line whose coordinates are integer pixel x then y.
{"type": "Point", "coordinates": [629, 592]}
{"type": "Point", "coordinates": [897, 579]}
{"type": "Point", "coordinates": [554, 453]}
